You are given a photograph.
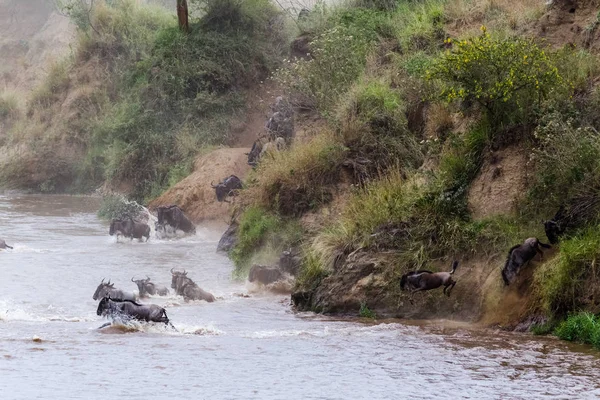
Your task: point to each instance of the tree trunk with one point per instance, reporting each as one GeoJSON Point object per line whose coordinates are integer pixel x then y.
{"type": "Point", "coordinates": [182, 15]}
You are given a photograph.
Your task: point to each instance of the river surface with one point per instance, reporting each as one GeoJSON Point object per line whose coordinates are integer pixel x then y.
{"type": "Point", "coordinates": [237, 347]}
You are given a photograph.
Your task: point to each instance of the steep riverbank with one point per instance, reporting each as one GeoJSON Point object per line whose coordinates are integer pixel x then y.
{"type": "Point", "coordinates": [412, 135]}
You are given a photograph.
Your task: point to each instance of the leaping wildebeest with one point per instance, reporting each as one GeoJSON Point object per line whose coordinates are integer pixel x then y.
{"type": "Point", "coordinates": [108, 289]}
{"type": "Point", "coordinates": [129, 228]}
{"type": "Point", "coordinates": [173, 216]}
{"type": "Point", "coordinates": [3, 245]}
{"type": "Point", "coordinates": [227, 187]}
{"type": "Point", "coordinates": [519, 255]}
{"type": "Point", "coordinates": [145, 287]}
{"type": "Point", "coordinates": [127, 310]}
{"type": "Point", "coordinates": [416, 281]}
{"type": "Point", "coordinates": [187, 288]}
{"type": "Point", "coordinates": [263, 274]}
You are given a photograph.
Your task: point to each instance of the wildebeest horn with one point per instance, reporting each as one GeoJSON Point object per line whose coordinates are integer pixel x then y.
{"type": "Point", "coordinates": [132, 279]}
{"type": "Point", "coordinates": [172, 270]}
{"type": "Point", "coordinates": [212, 185]}
{"type": "Point", "coordinates": [102, 281]}
{"type": "Point", "coordinates": [148, 277]}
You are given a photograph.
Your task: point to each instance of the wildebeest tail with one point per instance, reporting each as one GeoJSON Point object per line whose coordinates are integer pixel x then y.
{"type": "Point", "coordinates": [403, 281]}
{"type": "Point", "coordinates": [454, 266]}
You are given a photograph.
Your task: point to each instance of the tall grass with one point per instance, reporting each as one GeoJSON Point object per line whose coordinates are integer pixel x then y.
{"type": "Point", "coordinates": [582, 327]}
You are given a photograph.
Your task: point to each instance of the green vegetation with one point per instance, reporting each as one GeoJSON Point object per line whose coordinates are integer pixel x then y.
{"type": "Point", "coordinates": [117, 206]}
{"type": "Point", "coordinates": [365, 312]}
{"type": "Point", "coordinates": [139, 99]}
{"type": "Point", "coordinates": [259, 230]}
{"type": "Point", "coordinates": [582, 327]}
{"type": "Point", "coordinates": [508, 77]}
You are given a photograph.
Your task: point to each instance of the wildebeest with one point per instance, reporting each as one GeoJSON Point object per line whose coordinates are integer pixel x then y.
{"type": "Point", "coordinates": [108, 289]}
{"type": "Point", "coordinates": [174, 217]}
{"type": "Point", "coordinates": [145, 287]}
{"type": "Point", "coordinates": [519, 255]}
{"type": "Point", "coordinates": [264, 274]}
{"type": "Point", "coordinates": [129, 228]}
{"type": "Point", "coordinates": [255, 153]}
{"type": "Point", "coordinates": [187, 288]}
{"type": "Point", "coordinates": [127, 310]}
{"type": "Point", "coordinates": [416, 281]}
{"type": "Point", "coordinates": [227, 187]}
{"type": "Point", "coordinates": [3, 245]}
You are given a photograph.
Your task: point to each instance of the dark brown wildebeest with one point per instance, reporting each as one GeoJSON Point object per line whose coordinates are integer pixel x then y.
{"type": "Point", "coordinates": [227, 187]}
{"type": "Point", "coordinates": [187, 288]}
{"type": "Point", "coordinates": [129, 228]}
{"type": "Point", "coordinates": [174, 217]}
{"type": "Point", "coordinates": [108, 289]}
{"type": "Point", "coordinates": [127, 310]}
{"type": "Point", "coordinates": [145, 287]}
{"type": "Point", "coordinates": [519, 255]}
{"type": "Point", "coordinates": [264, 274]}
{"type": "Point", "coordinates": [3, 245]}
{"type": "Point", "coordinates": [416, 281]}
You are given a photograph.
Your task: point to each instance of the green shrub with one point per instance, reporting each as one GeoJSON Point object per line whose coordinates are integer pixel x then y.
{"type": "Point", "coordinates": [9, 107]}
{"type": "Point", "coordinates": [339, 55]}
{"type": "Point", "coordinates": [117, 206]}
{"type": "Point", "coordinates": [567, 165]}
{"type": "Point", "coordinates": [506, 76]}
{"type": "Point", "coordinates": [365, 312]}
{"type": "Point", "coordinates": [582, 327]}
{"type": "Point", "coordinates": [566, 282]}
{"type": "Point", "coordinates": [372, 125]}
{"type": "Point", "coordinates": [259, 229]}
{"type": "Point", "coordinates": [296, 180]}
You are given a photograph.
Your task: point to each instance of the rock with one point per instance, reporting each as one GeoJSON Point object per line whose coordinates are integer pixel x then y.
{"type": "Point", "coordinates": [228, 239]}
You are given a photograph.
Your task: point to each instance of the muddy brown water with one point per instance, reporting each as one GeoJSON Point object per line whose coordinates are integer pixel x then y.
{"type": "Point", "coordinates": [238, 347]}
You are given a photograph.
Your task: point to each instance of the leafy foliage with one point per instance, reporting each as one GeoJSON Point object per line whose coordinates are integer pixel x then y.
{"type": "Point", "coordinates": [505, 76]}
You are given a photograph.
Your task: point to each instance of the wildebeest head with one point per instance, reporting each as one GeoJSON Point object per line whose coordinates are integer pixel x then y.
{"type": "Point", "coordinates": [145, 286]}
{"type": "Point", "coordinates": [102, 289]}
{"type": "Point", "coordinates": [176, 278]}
{"type": "Point", "coordinates": [227, 187]}
{"type": "Point", "coordinates": [553, 231]}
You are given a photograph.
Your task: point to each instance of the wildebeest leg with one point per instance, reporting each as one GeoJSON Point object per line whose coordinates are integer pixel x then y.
{"type": "Point", "coordinates": [449, 287]}
{"type": "Point", "coordinates": [104, 325]}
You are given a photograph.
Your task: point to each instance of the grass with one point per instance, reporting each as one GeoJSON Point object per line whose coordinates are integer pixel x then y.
{"type": "Point", "coordinates": [566, 282]}
{"type": "Point", "coordinates": [262, 236]}
{"type": "Point", "coordinates": [294, 181]}
{"type": "Point", "coordinates": [582, 327]}
{"type": "Point", "coordinates": [365, 312]}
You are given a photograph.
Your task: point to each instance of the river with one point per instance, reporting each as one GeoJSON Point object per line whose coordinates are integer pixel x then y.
{"type": "Point", "coordinates": [237, 347]}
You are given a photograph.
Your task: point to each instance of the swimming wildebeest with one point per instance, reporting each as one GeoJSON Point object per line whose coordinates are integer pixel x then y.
{"type": "Point", "coordinates": [127, 310]}
{"type": "Point", "coordinates": [145, 287]}
{"type": "Point", "coordinates": [263, 274]}
{"type": "Point", "coordinates": [174, 217]}
{"type": "Point", "coordinates": [416, 281]}
{"type": "Point", "coordinates": [519, 255]}
{"type": "Point", "coordinates": [108, 289]}
{"type": "Point", "coordinates": [227, 187]}
{"type": "Point", "coordinates": [187, 288]}
{"type": "Point", "coordinates": [3, 245]}
{"type": "Point", "coordinates": [129, 228]}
